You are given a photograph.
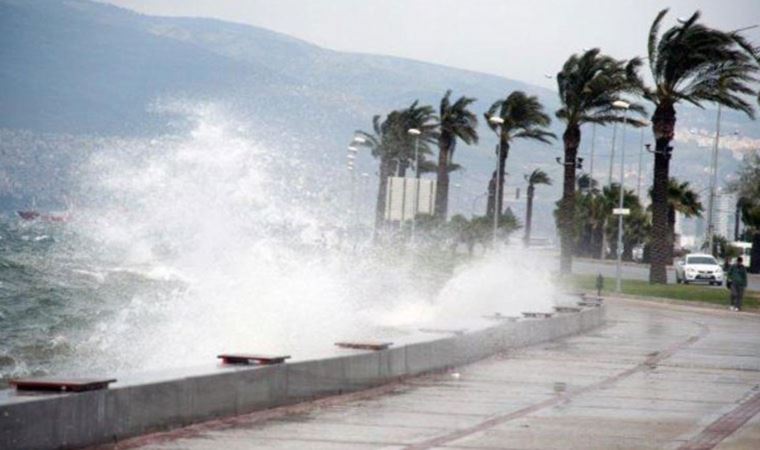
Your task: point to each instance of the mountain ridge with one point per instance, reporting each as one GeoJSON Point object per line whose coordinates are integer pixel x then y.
{"type": "Point", "coordinates": [87, 68]}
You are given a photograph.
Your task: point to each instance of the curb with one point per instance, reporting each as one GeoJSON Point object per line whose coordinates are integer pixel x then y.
{"type": "Point", "coordinates": [42, 421]}
{"type": "Point", "coordinates": [676, 302]}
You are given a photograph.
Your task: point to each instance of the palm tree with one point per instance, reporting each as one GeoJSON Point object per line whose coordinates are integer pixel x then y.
{"type": "Point", "coordinates": [683, 200]}
{"type": "Point", "coordinates": [427, 166]}
{"type": "Point", "coordinates": [456, 121]}
{"type": "Point", "coordinates": [588, 86]}
{"type": "Point", "coordinates": [379, 150]}
{"type": "Point", "coordinates": [538, 176]}
{"type": "Point", "coordinates": [635, 231]}
{"type": "Point", "coordinates": [391, 143]}
{"type": "Point", "coordinates": [751, 219]}
{"type": "Point", "coordinates": [693, 63]}
{"type": "Point", "coordinates": [611, 196]}
{"type": "Point", "coordinates": [747, 187]}
{"type": "Point", "coordinates": [524, 118]}
{"type": "Point", "coordinates": [422, 118]}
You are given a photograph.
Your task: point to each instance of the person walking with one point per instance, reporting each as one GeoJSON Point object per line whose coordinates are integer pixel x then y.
{"type": "Point", "coordinates": [737, 278]}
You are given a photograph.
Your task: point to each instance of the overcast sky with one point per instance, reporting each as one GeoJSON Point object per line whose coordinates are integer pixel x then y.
{"type": "Point", "coordinates": [519, 39]}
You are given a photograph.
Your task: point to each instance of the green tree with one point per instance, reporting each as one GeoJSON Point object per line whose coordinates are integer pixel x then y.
{"type": "Point", "coordinates": [591, 211]}
{"type": "Point", "coordinates": [636, 228]}
{"type": "Point", "coordinates": [524, 118]}
{"type": "Point", "coordinates": [390, 143]}
{"type": "Point", "coordinates": [692, 63]}
{"type": "Point", "coordinates": [747, 187]}
{"type": "Point", "coordinates": [536, 177]}
{"type": "Point", "coordinates": [681, 199]}
{"type": "Point", "coordinates": [456, 121]}
{"type": "Point", "coordinates": [588, 86]}
{"type": "Point", "coordinates": [611, 201]}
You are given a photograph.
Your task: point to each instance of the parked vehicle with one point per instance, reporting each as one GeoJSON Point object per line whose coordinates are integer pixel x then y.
{"type": "Point", "coordinates": [698, 267]}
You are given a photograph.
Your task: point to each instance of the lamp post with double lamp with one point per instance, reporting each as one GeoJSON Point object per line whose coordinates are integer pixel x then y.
{"type": "Point", "coordinates": [713, 175]}
{"type": "Point", "coordinates": [497, 122]}
{"type": "Point", "coordinates": [416, 133]}
{"type": "Point", "coordinates": [620, 104]}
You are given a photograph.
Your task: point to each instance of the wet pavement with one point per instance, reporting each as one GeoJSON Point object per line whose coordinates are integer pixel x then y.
{"type": "Point", "coordinates": [655, 376]}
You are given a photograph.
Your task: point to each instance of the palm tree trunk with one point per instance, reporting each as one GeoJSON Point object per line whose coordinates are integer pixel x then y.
{"type": "Point", "coordinates": [584, 241]}
{"type": "Point", "coordinates": [529, 214]}
{"type": "Point", "coordinates": [598, 242]}
{"type": "Point", "coordinates": [754, 258]}
{"type": "Point", "coordinates": [571, 139]}
{"type": "Point", "coordinates": [382, 192]}
{"type": "Point", "coordinates": [663, 123]}
{"type": "Point", "coordinates": [402, 168]}
{"type": "Point", "coordinates": [442, 186]}
{"type": "Point", "coordinates": [671, 231]}
{"type": "Point", "coordinates": [503, 153]}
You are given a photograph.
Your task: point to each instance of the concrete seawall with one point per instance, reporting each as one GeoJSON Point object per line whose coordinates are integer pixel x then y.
{"type": "Point", "coordinates": [43, 421]}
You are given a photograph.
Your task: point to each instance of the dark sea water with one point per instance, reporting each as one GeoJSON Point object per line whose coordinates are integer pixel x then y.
{"type": "Point", "coordinates": [56, 294]}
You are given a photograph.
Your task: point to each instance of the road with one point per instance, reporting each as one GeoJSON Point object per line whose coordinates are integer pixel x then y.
{"type": "Point", "coordinates": [655, 376]}
{"type": "Point", "coordinates": [640, 272]}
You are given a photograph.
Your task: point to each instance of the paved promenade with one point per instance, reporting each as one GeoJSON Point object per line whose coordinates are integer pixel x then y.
{"type": "Point", "coordinates": [656, 376]}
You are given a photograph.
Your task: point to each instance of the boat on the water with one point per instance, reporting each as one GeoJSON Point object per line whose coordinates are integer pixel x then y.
{"type": "Point", "coordinates": [36, 215]}
{"type": "Point", "coordinates": [28, 215]}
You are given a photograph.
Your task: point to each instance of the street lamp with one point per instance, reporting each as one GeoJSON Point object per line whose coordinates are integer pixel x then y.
{"type": "Point", "coordinates": [497, 122]}
{"type": "Point", "coordinates": [416, 133]}
{"type": "Point", "coordinates": [620, 104]}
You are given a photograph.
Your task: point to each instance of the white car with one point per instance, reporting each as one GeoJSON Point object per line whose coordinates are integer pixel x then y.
{"type": "Point", "coordinates": [699, 268]}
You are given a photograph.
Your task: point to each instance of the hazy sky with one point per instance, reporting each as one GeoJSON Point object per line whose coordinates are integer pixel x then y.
{"type": "Point", "coordinates": [520, 39]}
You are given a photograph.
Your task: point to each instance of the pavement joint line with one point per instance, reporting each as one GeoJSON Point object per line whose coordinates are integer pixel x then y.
{"type": "Point", "coordinates": [726, 425]}
{"type": "Point", "coordinates": [649, 363]}
{"type": "Point", "coordinates": [434, 413]}
{"type": "Point", "coordinates": [326, 441]}
{"type": "Point", "coordinates": [359, 423]}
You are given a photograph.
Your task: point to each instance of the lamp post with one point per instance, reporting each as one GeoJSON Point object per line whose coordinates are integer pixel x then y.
{"type": "Point", "coordinates": [612, 153]}
{"type": "Point", "coordinates": [620, 104]}
{"type": "Point", "coordinates": [416, 133]}
{"type": "Point", "coordinates": [641, 154]}
{"type": "Point", "coordinates": [713, 175]}
{"type": "Point", "coordinates": [498, 122]}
